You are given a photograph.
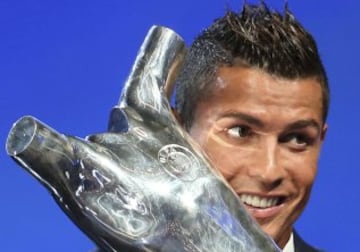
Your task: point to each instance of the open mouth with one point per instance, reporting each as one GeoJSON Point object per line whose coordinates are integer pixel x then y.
{"type": "Point", "coordinates": [261, 202]}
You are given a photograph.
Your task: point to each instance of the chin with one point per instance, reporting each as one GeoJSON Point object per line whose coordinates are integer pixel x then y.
{"type": "Point", "coordinates": [280, 236]}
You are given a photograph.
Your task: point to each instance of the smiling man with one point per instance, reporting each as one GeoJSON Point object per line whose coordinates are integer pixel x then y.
{"type": "Point", "coordinates": [254, 94]}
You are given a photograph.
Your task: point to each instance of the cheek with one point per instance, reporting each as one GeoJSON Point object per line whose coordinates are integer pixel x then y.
{"type": "Point", "coordinates": [302, 168]}
{"type": "Point", "coordinates": [228, 160]}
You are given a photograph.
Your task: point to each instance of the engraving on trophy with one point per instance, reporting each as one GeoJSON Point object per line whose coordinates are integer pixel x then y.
{"type": "Point", "coordinates": [179, 162]}
{"type": "Point", "coordinates": [128, 211]}
{"type": "Point", "coordinates": [141, 132]}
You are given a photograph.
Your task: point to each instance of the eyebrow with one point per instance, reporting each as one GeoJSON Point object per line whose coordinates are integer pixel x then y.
{"type": "Point", "coordinates": [300, 124]}
{"type": "Point", "coordinates": [304, 124]}
{"type": "Point", "coordinates": [248, 118]}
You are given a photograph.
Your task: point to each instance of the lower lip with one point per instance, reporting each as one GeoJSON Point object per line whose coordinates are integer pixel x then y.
{"type": "Point", "coordinates": [261, 213]}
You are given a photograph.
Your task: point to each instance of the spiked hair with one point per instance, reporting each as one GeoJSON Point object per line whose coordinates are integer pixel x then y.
{"type": "Point", "coordinates": [256, 37]}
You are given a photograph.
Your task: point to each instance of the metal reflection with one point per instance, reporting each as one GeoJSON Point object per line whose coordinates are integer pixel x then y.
{"type": "Point", "coordinates": [142, 186]}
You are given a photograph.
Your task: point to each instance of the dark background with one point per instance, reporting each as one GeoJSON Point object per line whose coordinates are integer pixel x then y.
{"type": "Point", "coordinates": [64, 62]}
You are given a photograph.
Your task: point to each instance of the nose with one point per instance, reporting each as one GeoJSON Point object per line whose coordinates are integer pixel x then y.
{"type": "Point", "coordinates": [267, 166]}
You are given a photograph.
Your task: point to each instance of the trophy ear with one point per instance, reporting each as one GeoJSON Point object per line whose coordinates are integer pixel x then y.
{"type": "Point", "coordinates": [118, 121]}
{"type": "Point", "coordinates": [153, 74]}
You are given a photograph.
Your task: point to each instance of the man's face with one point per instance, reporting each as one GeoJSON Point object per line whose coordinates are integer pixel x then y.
{"type": "Point", "coordinates": [264, 134]}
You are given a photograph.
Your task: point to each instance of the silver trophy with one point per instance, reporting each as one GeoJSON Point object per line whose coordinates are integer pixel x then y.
{"type": "Point", "coordinates": [144, 185]}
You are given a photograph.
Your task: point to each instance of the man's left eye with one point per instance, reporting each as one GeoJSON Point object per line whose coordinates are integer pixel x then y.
{"type": "Point", "coordinates": [297, 141]}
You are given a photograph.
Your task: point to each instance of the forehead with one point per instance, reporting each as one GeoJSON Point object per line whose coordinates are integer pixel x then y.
{"type": "Point", "coordinates": [255, 90]}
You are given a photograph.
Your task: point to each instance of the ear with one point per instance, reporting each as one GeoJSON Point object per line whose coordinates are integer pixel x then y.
{"type": "Point", "coordinates": [323, 132]}
{"type": "Point", "coordinates": [176, 114]}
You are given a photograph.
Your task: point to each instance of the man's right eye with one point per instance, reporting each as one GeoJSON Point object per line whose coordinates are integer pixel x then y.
{"type": "Point", "coordinates": [239, 132]}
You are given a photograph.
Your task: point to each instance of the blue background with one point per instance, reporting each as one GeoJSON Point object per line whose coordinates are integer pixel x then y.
{"type": "Point", "coordinates": [64, 62]}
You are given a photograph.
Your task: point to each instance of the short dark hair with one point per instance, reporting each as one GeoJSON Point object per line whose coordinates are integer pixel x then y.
{"type": "Point", "coordinates": [256, 37]}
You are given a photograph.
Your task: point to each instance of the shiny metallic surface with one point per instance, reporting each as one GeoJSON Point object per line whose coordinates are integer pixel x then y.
{"type": "Point", "coordinates": [144, 185]}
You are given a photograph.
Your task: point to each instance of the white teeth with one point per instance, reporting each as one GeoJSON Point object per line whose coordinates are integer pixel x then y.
{"type": "Point", "coordinates": [259, 202]}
